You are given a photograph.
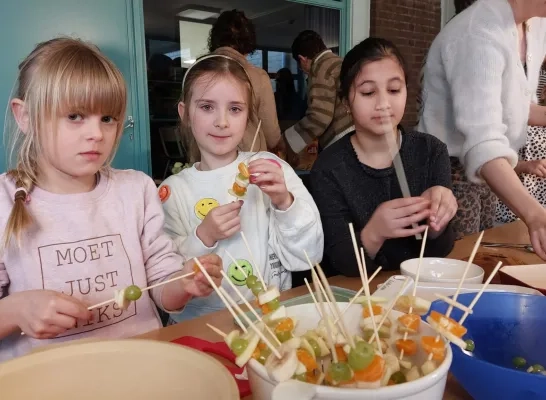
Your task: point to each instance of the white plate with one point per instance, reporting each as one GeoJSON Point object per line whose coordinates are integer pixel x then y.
{"type": "Point", "coordinates": [124, 369]}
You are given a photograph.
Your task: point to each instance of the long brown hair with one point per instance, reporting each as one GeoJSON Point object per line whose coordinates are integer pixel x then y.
{"type": "Point", "coordinates": [214, 68]}
{"type": "Point", "coordinates": [59, 77]}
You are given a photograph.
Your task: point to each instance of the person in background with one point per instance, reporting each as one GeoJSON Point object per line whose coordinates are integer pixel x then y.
{"type": "Point", "coordinates": [531, 166]}
{"type": "Point", "coordinates": [233, 35]}
{"type": "Point", "coordinates": [326, 119]}
{"type": "Point", "coordinates": [480, 79]}
{"type": "Point", "coordinates": [353, 180]}
{"type": "Point", "coordinates": [290, 106]}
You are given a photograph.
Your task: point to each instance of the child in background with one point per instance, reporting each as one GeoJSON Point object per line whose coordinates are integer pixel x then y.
{"type": "Point", "coordinates": [76, 229]}
{"type": "Point", "coordinates": [354, 180]}
{"type": "Point", "coordinates": [279, 217]}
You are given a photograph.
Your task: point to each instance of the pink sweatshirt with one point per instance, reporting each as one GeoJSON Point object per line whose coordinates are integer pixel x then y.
{"type": "Point", "coordinates": [87, 245]}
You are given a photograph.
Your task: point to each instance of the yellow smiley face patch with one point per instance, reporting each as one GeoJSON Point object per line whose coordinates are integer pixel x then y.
{"type": "Point", "coordinates": [203, 207]}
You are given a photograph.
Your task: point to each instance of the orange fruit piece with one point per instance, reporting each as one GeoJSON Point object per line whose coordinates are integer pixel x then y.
{"type": "Point", "coordinates": [341, 355]}
{"type": "Point", "coordinates": [243, 169]}
{"type": "Point", "coordinates": [409, 346]}
{"type": "Point", "coordinates": [238, 190]}
{"type": "Point", "coordinates": [448, 324]}
{"type": "Point", "coordinates": [265, 309]}
{"type": "Point", "coordinates": [256, 353]}
{"type": "Point", "coordinates": [437, 348]}
{"type": "Point", "coordinates": [306, 359]}
{"type": "Point", "coordinates": [196, 268]}
{"type": "Point", "coordinates": [376, 309]}
{"type": "Point", "coordinates": [311, 377]}
{"type": "Point", "coordinates": [286, 325]}
{"type": "Point", "coordinates": [410, 321]}
{"type": "Point", "coordinates": [373, 372]}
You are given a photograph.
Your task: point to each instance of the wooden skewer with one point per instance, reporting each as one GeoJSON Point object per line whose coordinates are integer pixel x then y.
{"type": "Point", "coordinates": [358, 294]}
{"type": "Point", "coordinates": [361, 269]}
{"type": "Point", "coordinates": [467, 268]}
{"type": "Point", "coordinates": [216, 330]}
{"type": "Point", "coordinates": [252, 310]}
{"type": "Point", "coordinates": [313, 297]}
{"type": "Point", "coordinates": [325, 296]}
{"type": "Point", "coordinates": [397, 163]}
{"type": "Point", "coordinates": [461, 282]}
{"type": "Point", "coordinates": [333, 301]}
{"type": "Point", "coordinates": [257, 267]}
{"type": "Point", "coordinates": [453, 303]}
{"type": "Point", "coordinates": [417, 273]}
{"type": "Point", "coordinates": [255, 136]}
{"type": "Point", "coordinates": [220, 294]}
{"type": "Point", "coordinates": [368, 295]}
{"type": "Point", "coordinates": [330, 339]}
{"type": "Point", "coordinates": [252, 325]}
{"type": "Point", "coordinates": [143, 290]}
{"type": "Point", "coordinates": [234, 261]}
{"type": "Point", "coordinates": [391, 307]}
{"type": "Point", "coordinates": [479, 294]}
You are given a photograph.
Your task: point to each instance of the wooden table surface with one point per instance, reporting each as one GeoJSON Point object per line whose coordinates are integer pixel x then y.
{"type": "Point", "coordinates": [510, 233]}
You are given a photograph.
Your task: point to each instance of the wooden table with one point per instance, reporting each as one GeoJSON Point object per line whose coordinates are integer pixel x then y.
{"type": "Point", "coordinates": [510, 233]}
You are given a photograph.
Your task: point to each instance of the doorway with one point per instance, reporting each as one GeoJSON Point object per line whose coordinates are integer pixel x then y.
{"type": "Point", "coordinates": [176, 33]}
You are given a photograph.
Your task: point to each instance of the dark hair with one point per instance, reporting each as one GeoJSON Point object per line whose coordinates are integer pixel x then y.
{"type": "Point", "coordinates": [369, 50]}
{"type": "Point", "coordinates": [285, 81]}
{"type": "Point", "coordinates": [307, 44]}
{"type": "Point", "coordinates": [461, 5]}
{"type": "Point", "coordinates": [233, 29]}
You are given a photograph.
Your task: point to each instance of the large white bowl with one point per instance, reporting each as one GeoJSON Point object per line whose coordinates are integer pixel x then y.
{"type": "Point", "coordinates": [445, 270]}
{"type": "Point", "coordinates": [121, 369]}
{"type": "Point", "coordinates": [430, 387]}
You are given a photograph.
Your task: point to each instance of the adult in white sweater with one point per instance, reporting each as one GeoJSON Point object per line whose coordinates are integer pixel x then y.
{"type": "Point", "coordinates": [480, 78]}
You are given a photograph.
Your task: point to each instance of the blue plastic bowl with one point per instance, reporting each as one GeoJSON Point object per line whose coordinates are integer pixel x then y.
{"type": "Point", "coordinates": [503, 326]}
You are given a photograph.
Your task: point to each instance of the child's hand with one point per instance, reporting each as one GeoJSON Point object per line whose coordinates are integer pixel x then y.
{"type": "Point", "coordinates": [198, 285]}
{"type": "Point", "coordinates": [270, 180]}
{"type": "Point", "coordinates": [393, 219]}
{"type": "Point", "coordinates": [44, 314]}
{"type": "Point", "coordinates": [221, 222]}
{"type": "Point", "coordinates": [443, 206]}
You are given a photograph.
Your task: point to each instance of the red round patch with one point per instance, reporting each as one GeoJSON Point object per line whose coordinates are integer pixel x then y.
{"type": "Point", "coordinates": [164, 193]}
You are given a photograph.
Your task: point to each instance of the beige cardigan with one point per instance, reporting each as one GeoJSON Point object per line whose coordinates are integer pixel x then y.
{"type": "Point", "coordinates": [270, 132]}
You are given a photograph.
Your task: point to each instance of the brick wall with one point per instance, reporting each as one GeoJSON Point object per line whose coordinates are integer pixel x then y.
{"type": "Point", "coordinates": [411, 25]}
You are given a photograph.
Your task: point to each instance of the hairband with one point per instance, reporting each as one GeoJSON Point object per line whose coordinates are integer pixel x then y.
{"type": "Point", "coordinates": [21, 189]}
{"type": "Point", "coordinates": [212, 56]}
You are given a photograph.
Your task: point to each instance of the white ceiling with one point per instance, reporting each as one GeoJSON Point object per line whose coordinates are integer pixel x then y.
{"type": "Point", "coordinates": [277, 22]}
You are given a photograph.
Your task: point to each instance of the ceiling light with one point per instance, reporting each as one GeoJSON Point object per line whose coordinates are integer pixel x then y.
{"type": "Point", "coordinates": [197, 14]}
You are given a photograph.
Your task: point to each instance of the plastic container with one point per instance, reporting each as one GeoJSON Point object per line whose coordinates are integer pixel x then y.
{"type": "Point", "coordinates": [503, 326]}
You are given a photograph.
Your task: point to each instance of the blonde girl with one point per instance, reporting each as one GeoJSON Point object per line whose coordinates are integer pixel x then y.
{"type": "Point", "coordinates": [279, 217]}
{"type": "Point", "coordinates": [75, 229]}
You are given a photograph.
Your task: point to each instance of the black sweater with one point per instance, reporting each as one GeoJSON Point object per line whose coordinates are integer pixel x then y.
{"type": "Point", "coordinates": [346, 190]}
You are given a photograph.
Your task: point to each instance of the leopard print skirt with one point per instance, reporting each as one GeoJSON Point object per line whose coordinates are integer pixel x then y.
{"type": "Point", "coordinates": [477, 203]}
{"type": "Point", "coordinates": [534, 149]}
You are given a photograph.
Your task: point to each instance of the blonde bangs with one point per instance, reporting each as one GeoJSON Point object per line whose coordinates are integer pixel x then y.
{"type": "Point", "coordinates": [86, 84]}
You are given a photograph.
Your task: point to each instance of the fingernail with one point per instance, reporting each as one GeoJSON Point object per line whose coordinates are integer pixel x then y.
{"type": "Point", "coordinates": [242, 202]}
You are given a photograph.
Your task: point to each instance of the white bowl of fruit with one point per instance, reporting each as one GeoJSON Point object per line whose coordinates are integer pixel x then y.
{"type": "Point", "coordinates": [378, 377]}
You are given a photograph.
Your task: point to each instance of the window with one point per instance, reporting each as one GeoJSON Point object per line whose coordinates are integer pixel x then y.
{"type": "Point", "coordinates": [256, 58]}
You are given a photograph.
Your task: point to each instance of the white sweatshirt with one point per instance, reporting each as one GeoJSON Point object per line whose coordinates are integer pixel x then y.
{"type": "Point", "coordinates": [476, 96]}
{"type": "Point", "coordinates": [277, 238]}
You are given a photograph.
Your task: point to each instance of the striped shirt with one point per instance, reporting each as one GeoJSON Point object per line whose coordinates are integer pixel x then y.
{"type": "Point", "coordinates": [326, 118]}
